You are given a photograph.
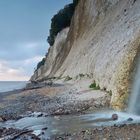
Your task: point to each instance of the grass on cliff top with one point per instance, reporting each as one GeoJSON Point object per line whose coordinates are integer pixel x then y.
{"type": "Point", "coordinates": [94, 86]}
{"type": "Point", "coordinates": [68, 78]}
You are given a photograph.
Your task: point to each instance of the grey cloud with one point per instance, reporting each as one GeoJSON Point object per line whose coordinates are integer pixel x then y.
{"type": "Point", "coordinates": [22, 51]}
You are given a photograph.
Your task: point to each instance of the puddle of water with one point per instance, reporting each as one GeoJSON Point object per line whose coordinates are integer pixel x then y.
{"type": "Point", "coordinates": [63, 124]}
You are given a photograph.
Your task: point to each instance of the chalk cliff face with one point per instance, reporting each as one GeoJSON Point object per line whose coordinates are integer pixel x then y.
{"type": "Point", "coordinates": [103, 40]}
{"type": "Point", "coordinates": [53, 51]}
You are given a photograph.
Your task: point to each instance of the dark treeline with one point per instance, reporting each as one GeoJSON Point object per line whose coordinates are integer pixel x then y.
{"type": "Point", "coordinates": [61, 20]}
{"type": "Point", "coordinates": [42, 62]}
{"type": "Point", "coordinates": [58, 22]}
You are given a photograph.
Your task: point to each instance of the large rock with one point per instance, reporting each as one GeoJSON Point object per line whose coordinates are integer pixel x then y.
{"type": "Point", "coordinates": [2, 119]}
{"type": "Point", "coordinates": [114, 117]}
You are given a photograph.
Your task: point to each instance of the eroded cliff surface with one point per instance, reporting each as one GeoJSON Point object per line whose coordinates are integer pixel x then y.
{"type": "Point", "coordinates": [53, 51]}
{"type": "Point", "coordinates": [103, 40]}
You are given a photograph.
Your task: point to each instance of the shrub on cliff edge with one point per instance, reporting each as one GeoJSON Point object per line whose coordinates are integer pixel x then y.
{"type": "Point", "coordinates": [41, 63]}
{"type": "Point", "coordinates": [61, 20]}
{"type": "Point", "coordinates": [94, 86]}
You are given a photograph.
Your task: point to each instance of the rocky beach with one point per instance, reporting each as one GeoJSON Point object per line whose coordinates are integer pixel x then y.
{"type": "Point", "coordinates": [86, 86]}
{"type": "Point", "coordinates": [60, 111]}
{"type": "Point", "coordinates": [57, 99]}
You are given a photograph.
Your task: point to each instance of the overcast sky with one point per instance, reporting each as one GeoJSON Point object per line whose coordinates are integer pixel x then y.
{"type": "Point", "coordinates": [24, 27]}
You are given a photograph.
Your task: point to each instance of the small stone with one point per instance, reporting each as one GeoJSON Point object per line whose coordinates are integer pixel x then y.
{"type": "Point", "coordinates": [42, 133]}
{"type": "Point", "coordinates": [60, 138]}
{"type": "Point", "coordinates": [115, 125]}
{"type": "Point", "coordinates": [130, 119]}
{"type": "Point", "coordinates": [114, 117]}
{"type": "Point", "coordinates": [45, 128]}
{"type": "Point", "coordinates": [57, 117]}
{"type": "Point", "coordinates": [83, 131]}
{"type": "Point", "coordinates": [100, 129]}
{"type": "Point", "coordinates": [40, 115]}
{"type": "Point", "coordinates": [1, 120]}
{"type": "Point", "coordinates": [59, 111]}
{"type": "Point", "coordinates": [125, 10]}
{"type": "Point", "coordinates": [1, 130]}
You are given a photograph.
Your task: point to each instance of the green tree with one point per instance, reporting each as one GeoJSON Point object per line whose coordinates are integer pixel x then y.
{"type": "Point", "coordinates": [41, 63]}
{"type": "Point", "coordinates": [61, 20]}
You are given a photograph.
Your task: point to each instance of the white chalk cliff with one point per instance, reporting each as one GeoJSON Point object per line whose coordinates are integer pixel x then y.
{"type": "Point", "coordinates": [103, 40]}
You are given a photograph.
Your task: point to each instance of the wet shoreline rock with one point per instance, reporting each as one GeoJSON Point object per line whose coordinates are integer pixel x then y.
{"type": "Point", "coordinates": [114, 117]}
{"type": "Point", "coordinates": [129, 119]}
{"type": "Point", "coordinates": [2, 119]}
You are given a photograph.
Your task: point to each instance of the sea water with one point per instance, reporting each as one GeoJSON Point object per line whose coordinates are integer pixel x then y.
{"type": "Point", "coordinates": [11, 85]}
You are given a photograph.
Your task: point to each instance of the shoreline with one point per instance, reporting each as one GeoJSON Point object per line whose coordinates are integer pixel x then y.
{"type": "Point", "coordinates": [55, 101]}
{"type": "Point", "coordinates": [12, 91]}
{"type": "Point", "coordinates": [58, 99]}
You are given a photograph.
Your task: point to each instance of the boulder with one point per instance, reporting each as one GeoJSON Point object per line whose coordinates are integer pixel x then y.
{"type": "Point", "coordinates": [1, 120]}
{"type": "Point", "coordinates": [129, 119]}
{"type": "Point", "coordinates": [114, 117]}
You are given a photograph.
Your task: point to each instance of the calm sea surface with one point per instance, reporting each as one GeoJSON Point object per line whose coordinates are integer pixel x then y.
{"type": "Point", "coordinates": [11, 85]}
